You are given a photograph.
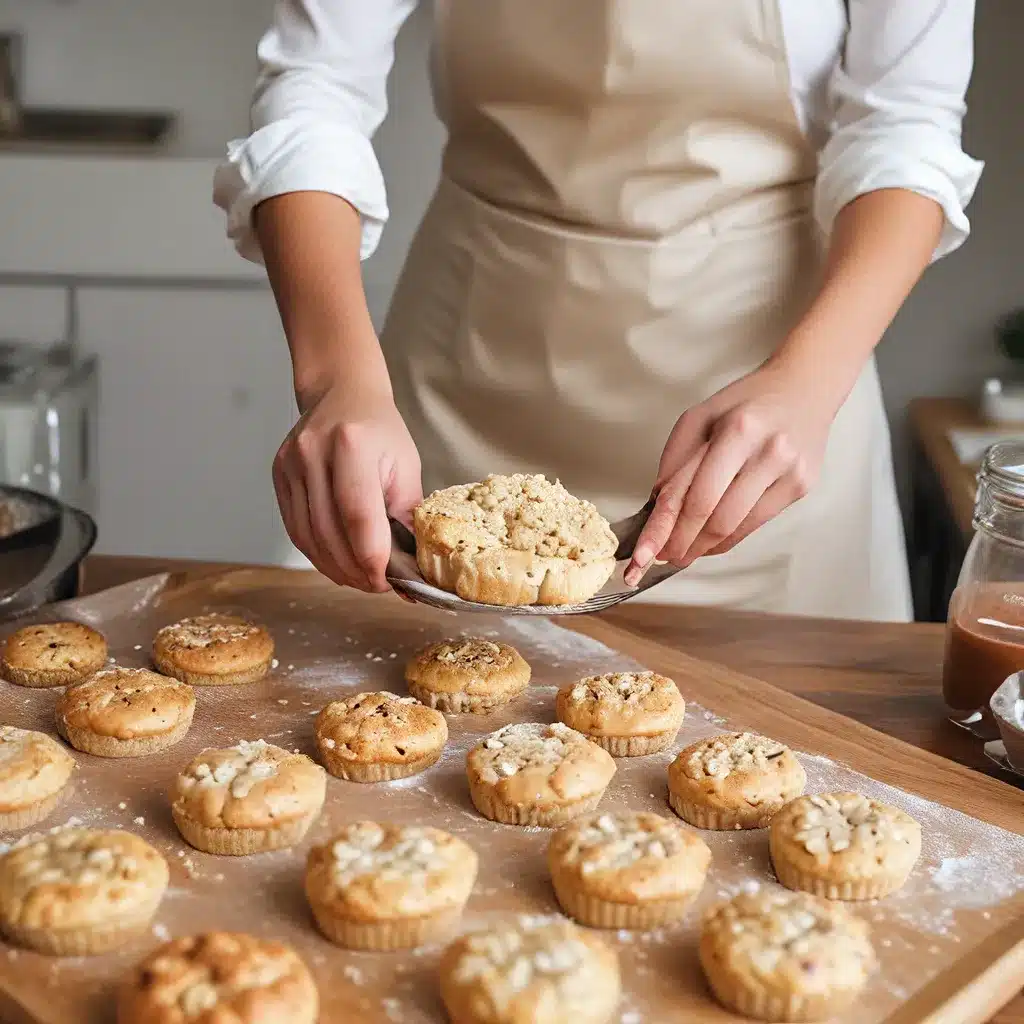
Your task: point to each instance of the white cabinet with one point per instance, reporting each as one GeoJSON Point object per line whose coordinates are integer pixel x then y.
{"type": "Point", "coordinates": [195, 397]}
{"type": "Point", "coordinates": [37, 315]}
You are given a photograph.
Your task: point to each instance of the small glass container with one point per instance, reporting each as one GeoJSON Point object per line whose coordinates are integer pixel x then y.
{"type": "Point", "coordinates": [985, 626]}
{"type": "Point", "coordinates": [48, 405]}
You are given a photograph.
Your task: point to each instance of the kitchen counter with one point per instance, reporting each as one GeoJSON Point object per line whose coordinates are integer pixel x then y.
{"type": "Point", "coordinates": [886, 676]}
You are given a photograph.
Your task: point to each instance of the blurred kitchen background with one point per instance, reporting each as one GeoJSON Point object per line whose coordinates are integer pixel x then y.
{"type": "Point", "coordinates": [162, 408]}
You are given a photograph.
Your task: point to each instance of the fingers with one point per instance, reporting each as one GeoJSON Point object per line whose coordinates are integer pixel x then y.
{"type": "Point", "coordinates": [662, 521]}
{"type": "Point", "coordinates": [360, 502]}
{"type": "Point", "coordinates": [730, 449]}
{"type": "Point", "coordinates": [688, 436]}
{"type": "Point", "coordinates": [305, 492]}
{"type": "Point", "coordinates": [776, 461]}
{"type": "Point", "coordinates": [294, 505]}
{"type": "Point", "coordinates": [776, 499]}
{"type": "Point", "coordinates": [403, 489]}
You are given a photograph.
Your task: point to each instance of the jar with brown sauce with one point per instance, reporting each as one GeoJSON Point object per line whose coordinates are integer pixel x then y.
{"type": "Point", "coordinates": [985, 627]}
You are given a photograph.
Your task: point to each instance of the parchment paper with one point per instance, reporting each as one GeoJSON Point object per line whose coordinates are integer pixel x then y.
{"type": "Point", "coordinates": [330, 643]}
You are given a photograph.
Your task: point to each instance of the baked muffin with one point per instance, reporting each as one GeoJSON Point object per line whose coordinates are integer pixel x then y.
{"type": "Point", "coordinates": [843, 846]}
{"type": "Point", "coordinates": [34, 769]}
{"type": "Point", "coordinates": [247, 799]}
{"type": "Point", "coordinates": [219, 978]}
{"type": "Point", "coordinates": [779, 956]}
{"type": "Point", "coordinates": [530, 970]}
{"type": "Point", "coordinates": [537, 774]}
{"type": "Point", "coordinates": [80, 891]}
{"type": "Point", "coordinates": [631, 870]}
{"type": "Point", "coordinates": [514, 540]}
{"type": "Point", "coordinates": [213, 650]}
{"type": "Point", "coordinates": [125, 712]}
{"type": "Point", "coordinates": [734, 780]}
{"type": "Point", "coordinates": [467, 674]}
{"type": "Point", "coordinates": [384, 887]}
{"type": "Point", "coordinates": [52, 654]}
{"type": "Point", "coordinates": [627, 713]}
{"type": "Point", "coordinates": [379, 737]}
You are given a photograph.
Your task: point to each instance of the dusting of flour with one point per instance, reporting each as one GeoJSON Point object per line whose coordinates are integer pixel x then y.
{"type": "Point", "coordinates": [328, 648]}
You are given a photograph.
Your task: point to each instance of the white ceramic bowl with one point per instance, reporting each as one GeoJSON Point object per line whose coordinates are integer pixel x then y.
{"type": "Point", "coordinates": [1007, 705]}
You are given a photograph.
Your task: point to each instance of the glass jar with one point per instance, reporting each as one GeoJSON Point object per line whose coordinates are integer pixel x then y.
{"type": "Point", "coordinates": [985, 626]}
{"type": "Point", "coordinates": [48, 406]}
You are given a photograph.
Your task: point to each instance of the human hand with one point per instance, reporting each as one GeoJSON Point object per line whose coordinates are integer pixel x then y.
{"type": "Point", "coordinates": [732, 463]}
{"type": "Point", "coordinates": [347, 463]}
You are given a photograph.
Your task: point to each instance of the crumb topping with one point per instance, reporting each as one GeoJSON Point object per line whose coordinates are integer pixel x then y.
{"type": "Point", "coordinates": [524, 513]}
{"type": "Point", "coordinates": [526, 745]}
{"type": "Point", "coordinates": [618, 687]}
{"type": "Point", "coordinates": [206, 631]}
{"type": "Point", "coordinates": [408, 854]}
{"type": "Point", "coordinates": [199, 973]}
{"type": "Point", "coordinates": [253, 762]}
{"type": "Point", "coordinates": [613, 842]}
{"type": "Point", "coordinates": [833, 822]}
{"type": "Point", "coordinates": [513, 956]}
{"type": "Point", "coordinates": [81, 857]}
{"type": "Point", "coordinates": [119, 685]}
{"type": "Point", "coordinates": [791, 933]}
{"type": "Point", "coordinates": [719, 756]}
{"type": "Point", "coordinates": [472, 652]}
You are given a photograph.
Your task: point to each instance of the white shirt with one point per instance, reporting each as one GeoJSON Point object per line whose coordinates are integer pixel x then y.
{"type": "Point", "coordinates": [882, 99]}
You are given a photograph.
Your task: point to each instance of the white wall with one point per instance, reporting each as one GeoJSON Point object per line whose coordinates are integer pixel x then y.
{"type": "Point", "coordinates": [197, 57]}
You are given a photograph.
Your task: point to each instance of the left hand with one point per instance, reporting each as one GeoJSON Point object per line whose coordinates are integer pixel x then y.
{"type": "Point", "coordinates": [732, 463]}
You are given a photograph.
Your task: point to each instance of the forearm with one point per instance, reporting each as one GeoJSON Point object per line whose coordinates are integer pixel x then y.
{"type": "Point", "coordinates": [310, 243]}
{"type": "Point", "coordinates": [881, 244]}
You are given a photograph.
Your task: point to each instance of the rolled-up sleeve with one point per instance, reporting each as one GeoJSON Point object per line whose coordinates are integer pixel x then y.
{"type": "Point", "coordinates": [322, 93]}
{"type": "Point", "coordinates": [898, 99]}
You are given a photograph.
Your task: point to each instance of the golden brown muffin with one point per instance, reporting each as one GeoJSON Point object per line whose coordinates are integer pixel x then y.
{"type": "Point", "coordinates": [514, 540]}
{"type": "Point", "coordinates": [530, 970]}
{"type": "Point", "coordinates": [378, 737]}
{"type": "Point", "coordinates": [630, 870]}
{"type": "Point", "coordinates": [213, 650]}
{"type": "Point", "coordinates": [219, 978]}
{"type": "Point", "coordinates": [537, 774]}
{"type": "Point", "coordinates": [733, 780]}
{"type": "Point", "coordinates": [383, 887]}
{"type": "Point", "coordinates": [80, 891]}
{"type": "Point", "coordinates": [125, 712]}
{"type": "Point", "coordinates": [34, 769]}
{"type": "Point", "coordinates": [782, 956]}
{"type": "Point", "coordinates": [843, 846]}
{"type": "Point", "coordinates": [467, 674]}
{"type": "Point", "coordinates": [52, 654]}
{"type": "Point", "coordinates": [247, 799]}
{"type": "Point", "coordinates": [628, 713]}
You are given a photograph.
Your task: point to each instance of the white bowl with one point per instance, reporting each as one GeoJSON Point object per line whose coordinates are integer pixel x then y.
{"type": "Point", "coordinates": [1007, 705]}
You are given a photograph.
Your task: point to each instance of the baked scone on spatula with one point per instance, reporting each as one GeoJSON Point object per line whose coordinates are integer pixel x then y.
{"type": "Point", "coordinates": [514, 540]}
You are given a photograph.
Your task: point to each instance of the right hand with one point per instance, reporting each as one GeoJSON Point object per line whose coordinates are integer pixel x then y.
{"type": "Point", "coordinates": [347, 463]}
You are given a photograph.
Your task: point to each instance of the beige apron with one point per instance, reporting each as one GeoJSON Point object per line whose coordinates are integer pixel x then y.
{"type": "Point", "coordinates": [622, 228]}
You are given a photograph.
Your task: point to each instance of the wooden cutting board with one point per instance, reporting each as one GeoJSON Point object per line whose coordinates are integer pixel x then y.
{"type": "Point", "coordinates": [951, 944]}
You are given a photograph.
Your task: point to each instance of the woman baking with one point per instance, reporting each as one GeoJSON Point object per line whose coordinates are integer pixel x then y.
{"type": "Point", "coordinates": [666, 241]}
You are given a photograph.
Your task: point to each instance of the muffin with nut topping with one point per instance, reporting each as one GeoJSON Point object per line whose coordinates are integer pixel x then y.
{"type": "Point", "coordinates": [379, 887]}
{"type": "Point", "coordinates": [514, 540]}
{"type": "Point", "coordinates": [734, 780]}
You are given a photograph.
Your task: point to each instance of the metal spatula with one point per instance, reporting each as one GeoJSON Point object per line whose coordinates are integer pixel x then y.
{"type": "Point", "coordinates": [404, 575]}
